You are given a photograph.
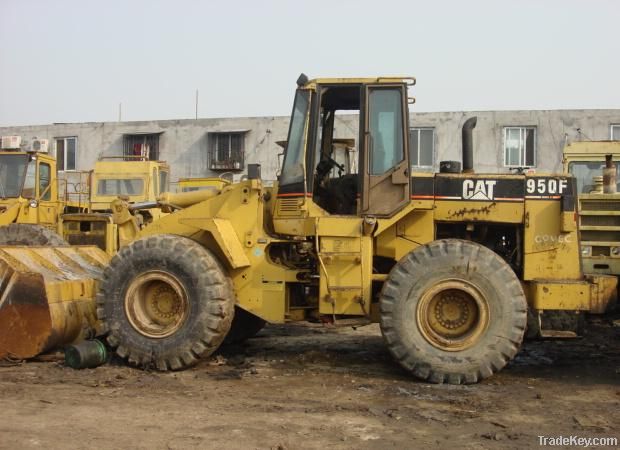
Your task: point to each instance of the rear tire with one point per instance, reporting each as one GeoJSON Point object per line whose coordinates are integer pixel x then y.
{"type": "Point", "coordinates": [30, 235]}
{"type": "Point", "coordinates": [453, 311]}
{"type": "Point", "coordinates": [166, 302]}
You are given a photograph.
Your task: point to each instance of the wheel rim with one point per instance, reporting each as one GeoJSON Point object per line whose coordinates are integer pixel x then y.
{"type": "Point", "coordinates": [453, 315]}
{"type": "Point", "coordinates": [156, 304]}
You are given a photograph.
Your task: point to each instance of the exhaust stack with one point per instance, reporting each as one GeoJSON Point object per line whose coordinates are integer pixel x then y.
{"type": "Point", "coordinates": [468, 144]}
{"type": "Point", "coordinates": [609, 176]}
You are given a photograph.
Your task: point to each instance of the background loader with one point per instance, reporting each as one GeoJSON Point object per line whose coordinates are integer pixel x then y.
{"type": "Point", "coordinates": [599, 205]}
{"type": "Point", "coordinates": [39, 207]}
{"type": "Point", "coordinates": [47, 287]}
{"type": "Point", "coordinates": [137, 180]}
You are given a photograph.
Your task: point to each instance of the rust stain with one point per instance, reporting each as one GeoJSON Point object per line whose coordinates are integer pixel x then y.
{"type": "Point", "coordinates": [25, 330]}
{"type": "Point", "coordinates": [472, 211]}
{"type": "Point", "coordinates": [605, 296]}
{"type": "Point", "coordinates": [46, 300]}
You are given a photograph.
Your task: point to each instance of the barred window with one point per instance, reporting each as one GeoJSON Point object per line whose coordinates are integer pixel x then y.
{"type": "Point", "coordinates": [226, 150]}
{"type": "Point", "coordinates": [141, 146]}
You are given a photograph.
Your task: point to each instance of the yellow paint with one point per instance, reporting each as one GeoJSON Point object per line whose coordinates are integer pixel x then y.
{"type": "Point", "coordinates": [148, 172]}
{"type": "Point", "coordinates": [549, 252]}
{"type": "Point", "coordinates": [226, 238]}
{"type": "Point", "coordinates": [198, 184]}
{"type": "Point", "coordinates": [594, 295]}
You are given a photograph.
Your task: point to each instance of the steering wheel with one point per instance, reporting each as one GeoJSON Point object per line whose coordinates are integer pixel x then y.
{"type": "Point", "coordinates": [335, 163]}
{"type": "Point", "coordinates": [323, 168]}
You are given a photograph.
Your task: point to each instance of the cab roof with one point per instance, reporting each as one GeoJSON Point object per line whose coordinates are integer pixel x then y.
{"type": "Point", "coordinates": [376, 80]}
{"type": "Point", "coordinates": [120, 166]}
{"type": "Point", "coordinates": [593, 147]}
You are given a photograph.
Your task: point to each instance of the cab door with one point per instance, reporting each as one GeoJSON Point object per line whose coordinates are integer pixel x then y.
{"type": "Point", "coordinates": [46, 194]}
{"type": "Point", "coordinates": [386, 179]}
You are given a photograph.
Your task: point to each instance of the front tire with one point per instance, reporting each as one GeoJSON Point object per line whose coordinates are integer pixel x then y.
{"type": "Point", "coordinates": [453, 311]}
{"type": "Point", "coordinates": [166, 302]}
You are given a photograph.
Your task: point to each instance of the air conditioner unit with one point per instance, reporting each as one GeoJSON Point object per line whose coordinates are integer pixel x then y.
{"type": "Point", "coordinates": [11, 142]}
{"type": "Point", "coordinates": [40, 145]}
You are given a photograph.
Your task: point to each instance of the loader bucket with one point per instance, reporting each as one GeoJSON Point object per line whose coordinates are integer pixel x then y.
{"type": "Point", "coordinates": [47, 297]}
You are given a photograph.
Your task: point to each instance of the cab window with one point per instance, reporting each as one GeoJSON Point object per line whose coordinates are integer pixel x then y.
{"type": "Point", "coordinates": [293, 169]}
{"type": "Point", "coordinates": [163, 181]}
{"type": "Point", "coordinates": [385, 128]}
{"type": "Point", "coordinates": [28, 191]}
{"type": "Point", "coordinates": [45, 190]}
{"type": "Point", "coordinates": [334, 182]}
{"type": "Point", "coordinates": [129, 186]}
{"type": "Point", "coordinates": [585, 171]}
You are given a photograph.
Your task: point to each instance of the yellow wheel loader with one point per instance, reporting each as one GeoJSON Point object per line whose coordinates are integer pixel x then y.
{"type": "Point", "coordinates": [77, 204]}
{"type": "Point", "coordinates": [47, 289]}
{"type": "Point", "coordinates": [454, 265]}
{"type": "Point", "coordinates": [89, 218]}
{"type": "Point", "coordinates": [599, 203]}
{"type": "Point", "coordinates": [450, 264]}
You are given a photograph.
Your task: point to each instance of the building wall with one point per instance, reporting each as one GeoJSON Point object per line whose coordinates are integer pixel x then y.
{"type": "Point", "coordinates": [554, 128]}
{"type": "Point", "coordinates": [184, 143]}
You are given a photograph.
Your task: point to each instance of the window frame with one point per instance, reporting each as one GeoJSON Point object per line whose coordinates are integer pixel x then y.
{"type": "Point", "coordinates": [45, 190]}
{"type": "Point", "coordinates": [130, 140]}
{"type": "Point", "coordinates": [163, 181]}
{"type": "Point", "coordinates": [375, 167]}
{"type": "Point", "coordinates": [522, 151]}
{"type": "Point", "coordinates": [118, 182]}
{"type": "Point", "coordinates": [61, 163]}
{"type": "Point", "coordinates": [214, 138]}
{"type": "Point", "coordinates": [411, 162]}
{"type": "Point", "coordinates": [611, 131]}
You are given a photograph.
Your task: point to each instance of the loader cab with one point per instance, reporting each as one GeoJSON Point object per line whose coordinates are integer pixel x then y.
{"type": "Point", "coordinates": [347, 149]}
{"type": "Point", "coordinates": [26, 175]}
{"type": "Point", "coordinates": [28, 179]}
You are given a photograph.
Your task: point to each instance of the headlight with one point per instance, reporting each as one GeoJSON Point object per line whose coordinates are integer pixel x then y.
{"type": "Point", "coordinates": [586, 250]}
{"type": "Point", "coordinates": [615, 252]}
{"type": "Point", "coordinates": [33, 203]}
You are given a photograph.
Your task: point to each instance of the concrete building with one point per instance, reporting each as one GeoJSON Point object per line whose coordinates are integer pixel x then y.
{"type": "Point", "coordinates": [209, 147]}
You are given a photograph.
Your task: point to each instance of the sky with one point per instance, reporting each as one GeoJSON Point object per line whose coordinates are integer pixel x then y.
{"type": "Point", "coordinates": [77, 60]}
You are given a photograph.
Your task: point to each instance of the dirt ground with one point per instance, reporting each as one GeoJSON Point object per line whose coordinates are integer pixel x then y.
{"type": "Point", "coordinates": [300, 387]}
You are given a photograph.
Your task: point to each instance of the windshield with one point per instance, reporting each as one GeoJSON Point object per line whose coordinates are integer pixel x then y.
{"type": "Point", "coordinates": [197, 188]}
{"type": "Point", "coordinates": [163, 182]}
{"type": "Point", "coordinates": [585, 171]}
{"type": "Point", "coordinates": [12, 174]}
{"type": "Point", "coordinates": [293, 170]}
{"type": "Point", "coordinates": [117, 186]}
